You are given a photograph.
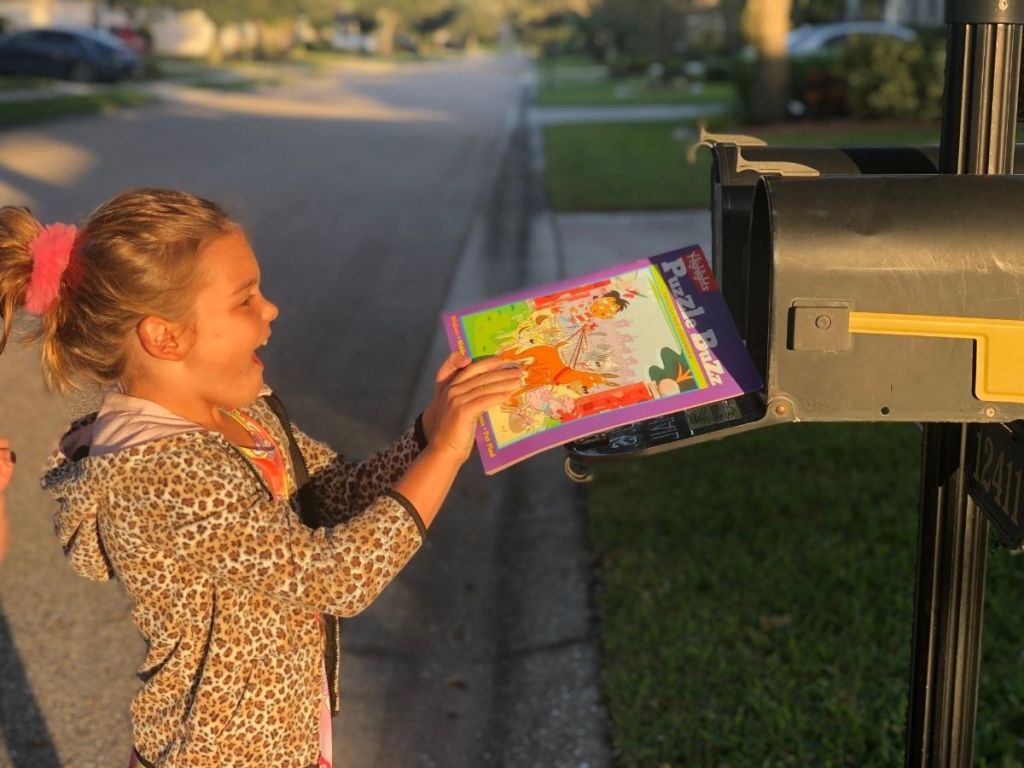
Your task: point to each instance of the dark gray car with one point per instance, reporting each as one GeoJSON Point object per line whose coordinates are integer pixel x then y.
{"type": "Point", "coordinates": [72, 54]}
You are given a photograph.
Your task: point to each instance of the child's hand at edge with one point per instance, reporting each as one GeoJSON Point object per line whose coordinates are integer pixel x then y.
{"type": "Point", "coordinates": [7, 459]}
{"type": "Point", "coordinates": [454, 363]}
{"type": "Point", "coordinates": [464, 390]}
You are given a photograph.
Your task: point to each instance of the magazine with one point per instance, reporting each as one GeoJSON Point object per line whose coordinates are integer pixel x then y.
{"type": "Point", "coordinates": [622, 345]}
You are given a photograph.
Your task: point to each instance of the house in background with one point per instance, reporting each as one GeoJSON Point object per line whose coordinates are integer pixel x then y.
{"type": "Point", "coordinates": [706, 25]}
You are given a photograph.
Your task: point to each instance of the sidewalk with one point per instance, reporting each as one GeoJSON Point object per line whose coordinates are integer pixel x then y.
{"type": "Point", "coordinates": [556, 715]}
{"type": "Point", "coordinates": [626, 114]}
{"type": "Point", "coordinates": [592, 241]}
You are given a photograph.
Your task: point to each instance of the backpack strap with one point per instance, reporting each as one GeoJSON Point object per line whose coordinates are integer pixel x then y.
{"type": "Point", "coordinates": [306, 497]}
{"type": "Point", "coordinates": [308, 514]}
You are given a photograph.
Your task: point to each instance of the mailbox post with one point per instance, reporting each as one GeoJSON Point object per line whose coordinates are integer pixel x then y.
{"type": "Point", "coordinates": [983, 57]}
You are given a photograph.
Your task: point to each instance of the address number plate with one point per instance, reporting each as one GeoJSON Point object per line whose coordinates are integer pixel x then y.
{"type": "Point", "coordinates": [995, 477]}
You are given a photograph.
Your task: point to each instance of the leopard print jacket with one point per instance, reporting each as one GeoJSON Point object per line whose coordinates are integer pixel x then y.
{"type": "Point", "coordinates": [225, 581]}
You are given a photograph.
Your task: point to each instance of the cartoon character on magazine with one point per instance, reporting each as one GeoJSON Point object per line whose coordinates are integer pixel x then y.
{"type": "Point", "coordinates": [582, 318]}
{"type": "Point", "coordinates": [543, 366]}
{"type": "Point", "coordinates": [674, 374]}
{"type": "Point", "coordinates": [539, 405]}
{"type": "Point", "coordinates": [539, 327]}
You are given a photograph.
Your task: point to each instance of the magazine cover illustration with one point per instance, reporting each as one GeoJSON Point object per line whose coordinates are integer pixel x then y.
{"type": "Point", "coordinates": [625, 344]}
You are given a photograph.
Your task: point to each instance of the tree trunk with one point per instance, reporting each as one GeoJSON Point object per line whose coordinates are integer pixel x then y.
{"type": "Point", "coordinates": [388, 20]}
{"type": "Point", "coordinates": [215, 54]}
{"type": "Point", "coordinates": [768, 25]}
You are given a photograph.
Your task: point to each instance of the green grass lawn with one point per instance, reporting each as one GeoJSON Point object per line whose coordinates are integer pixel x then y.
{"type": "Point", "coordinates": [21, 82]}
{"type": "Point", "coordinates": [643, 166]}
{"type": "Point", "coordinates": [622, 166]}
{"type": "Point", "coordinates": [24, 112]}
{"type": "Point", "coordinates": [244, 85]}
{"type": "Point", "coordinates": [755, 598]}
{"type": "Point", "coordinates": [570, 66]}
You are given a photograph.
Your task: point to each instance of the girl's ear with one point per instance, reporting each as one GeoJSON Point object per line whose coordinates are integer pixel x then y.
{"type": "Point", "coordinates": [163, 339]}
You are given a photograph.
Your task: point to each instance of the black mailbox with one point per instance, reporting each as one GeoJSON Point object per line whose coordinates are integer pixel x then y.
{"type": "Point", "coordinates": [876, 298]}
{"type": "Point", "coordinates": [739, 162]}
{"type": "Point", "coordinates": [869, 298]}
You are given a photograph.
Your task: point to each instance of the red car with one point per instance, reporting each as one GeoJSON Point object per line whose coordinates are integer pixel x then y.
{"type": "Point", "coordinates": [132, 38]}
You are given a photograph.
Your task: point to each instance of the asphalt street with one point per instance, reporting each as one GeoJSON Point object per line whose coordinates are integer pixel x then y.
{"type": "Point", "coordinates": [369, 195]}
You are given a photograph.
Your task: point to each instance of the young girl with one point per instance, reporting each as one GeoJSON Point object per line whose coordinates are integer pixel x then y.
{"type": "Point", "coordinates": [183, 485]}
{"type": "Point", "coordinates": [7, 459]}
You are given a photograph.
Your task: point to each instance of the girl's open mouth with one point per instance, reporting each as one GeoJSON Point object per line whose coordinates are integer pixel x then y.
{"type": "Point", "coordinates": [257, 360]}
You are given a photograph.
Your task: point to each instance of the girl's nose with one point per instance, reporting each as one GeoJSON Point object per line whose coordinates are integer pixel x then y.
{"type": "Point", "coordinates": [271, 311]}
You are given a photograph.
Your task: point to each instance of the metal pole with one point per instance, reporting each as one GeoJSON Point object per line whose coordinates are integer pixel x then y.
{"type": "Point", "coordinates": [983, 56]}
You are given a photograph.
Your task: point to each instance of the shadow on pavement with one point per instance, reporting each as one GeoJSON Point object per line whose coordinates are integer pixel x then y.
{"type": "Point", "coordinates": [25, 733]}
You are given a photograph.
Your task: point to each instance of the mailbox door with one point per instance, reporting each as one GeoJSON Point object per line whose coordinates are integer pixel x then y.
{"type": "Point", "coordinates": [922, 246]}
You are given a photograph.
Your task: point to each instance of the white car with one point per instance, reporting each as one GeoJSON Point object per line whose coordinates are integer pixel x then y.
{"type": "Point", "coordinates": [353, 42]}
{"type": "Point", "coordinates": [817, 39]}
{"type": "Point", "coordinates": [813, 39]}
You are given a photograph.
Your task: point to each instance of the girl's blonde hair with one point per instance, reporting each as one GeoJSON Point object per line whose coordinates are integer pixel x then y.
{"type": "Point", "coordinates": [137, 255]}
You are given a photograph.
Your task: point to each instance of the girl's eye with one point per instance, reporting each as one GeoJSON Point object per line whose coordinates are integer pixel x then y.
{"type": "Point", "coordinates": [247, 302]}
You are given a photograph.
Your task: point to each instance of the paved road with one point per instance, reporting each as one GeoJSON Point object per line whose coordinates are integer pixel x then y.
{"type": "Point", "coordinates": [360, 190]}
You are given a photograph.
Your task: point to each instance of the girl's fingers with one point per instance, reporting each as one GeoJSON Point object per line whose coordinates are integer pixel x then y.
{"type": "Point", "coordinates": [452, 365]}
{"type": "Point", "coordinates": [480, 367]}
{"type": "Point", "coordinates": [511, 380]}
{"type": "Point", "coordinates": [500, 391]}
{"type": "Point", "coordinates": [484, 402]}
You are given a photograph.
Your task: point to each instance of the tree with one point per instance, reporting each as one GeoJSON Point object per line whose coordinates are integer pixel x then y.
{"type": "Point", "coordinates": [392, 16]}
{"type": "Point", "coordinates": [477, 20]}
{"type": "Point", "coordinates": [823, 11]}
{"type": "Point", "coordinates": [767, 24]}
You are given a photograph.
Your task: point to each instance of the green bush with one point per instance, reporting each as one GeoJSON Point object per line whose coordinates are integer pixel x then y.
{"type": "Point", "coordinates": [889, 78]}
{"type": "Point", "coordinates": [874, 77]}
{"type": "Point", "coordinates": [818, 82]}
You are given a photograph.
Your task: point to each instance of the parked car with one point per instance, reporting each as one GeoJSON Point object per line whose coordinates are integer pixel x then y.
{"type": "Point", "coordinates": [138, 40]}
{"type": "Point", "coordinates": [69, 53]}
{"type": "Point", "coordinates": [829, 39]}
{"type": "Point", "coordinates": [814, 39]}
{"type": "Point", "coordinates": [353, 41]}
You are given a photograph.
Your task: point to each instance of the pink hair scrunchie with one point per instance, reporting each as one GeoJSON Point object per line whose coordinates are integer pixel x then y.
{"type": "Point", "coordinates": [51, 252]}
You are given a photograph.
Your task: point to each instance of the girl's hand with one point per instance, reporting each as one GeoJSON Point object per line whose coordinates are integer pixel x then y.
{"type": "Point", "coordinates": [465, 390]}
{"type": "Point", "coordinates": [7, 460]}
{"type": "Point", "coordinates": [6, 472]}
{"type": "Point", "coordinates": [451, 366]}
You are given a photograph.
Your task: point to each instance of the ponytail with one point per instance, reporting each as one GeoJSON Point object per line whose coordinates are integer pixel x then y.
{"type": "Point", "coordinates": [18, 228]}
{"type": "Point", "coordinates": [137, 255]}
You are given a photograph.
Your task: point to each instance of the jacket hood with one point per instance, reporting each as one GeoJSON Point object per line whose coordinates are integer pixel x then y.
{"type": "Point", "coordinates": [80, 473]}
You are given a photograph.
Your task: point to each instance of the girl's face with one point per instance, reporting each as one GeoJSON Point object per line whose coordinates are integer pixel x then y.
{"type": "Point", "coordinates": [232, 320]}
{"type": "Point", "coordinates": [605, 308]}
